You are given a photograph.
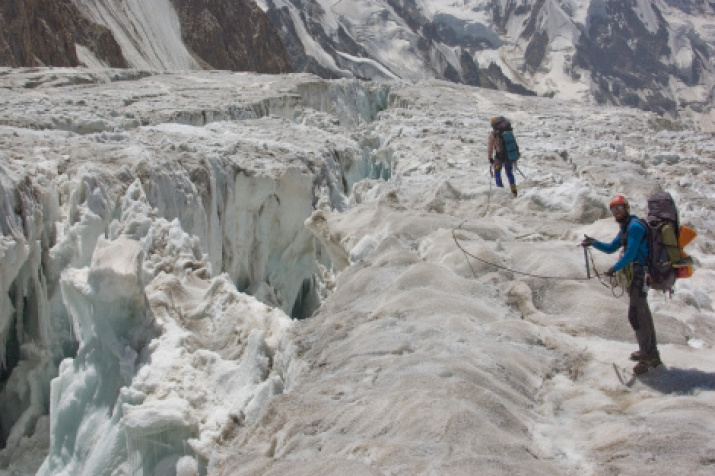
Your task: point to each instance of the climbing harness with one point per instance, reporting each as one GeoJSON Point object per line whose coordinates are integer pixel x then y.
{"type": "Point", "coordinates": [617, 282]}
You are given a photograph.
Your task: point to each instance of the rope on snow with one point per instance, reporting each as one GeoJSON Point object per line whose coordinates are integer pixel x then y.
{"type": "Point", "coordinates": [618, 281]}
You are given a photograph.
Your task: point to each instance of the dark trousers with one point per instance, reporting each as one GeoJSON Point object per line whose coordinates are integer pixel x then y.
{"type": "Point", "coordinates": [508, 168]}
{"type": "Point", "coordinates": [640, 317]}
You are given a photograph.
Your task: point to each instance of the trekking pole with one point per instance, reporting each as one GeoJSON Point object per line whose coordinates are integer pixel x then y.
{"type": "Point", "coordinates": [489, 197]}
{"type": "Point", "coordinates": [522, 173]}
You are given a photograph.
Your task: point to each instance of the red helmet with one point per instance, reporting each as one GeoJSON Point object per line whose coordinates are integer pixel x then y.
{"type": "Point", "coordinates": [619, 200]}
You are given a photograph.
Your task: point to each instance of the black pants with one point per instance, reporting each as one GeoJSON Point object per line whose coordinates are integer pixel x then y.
{"type": "Point", "coordinates": [640, 317]}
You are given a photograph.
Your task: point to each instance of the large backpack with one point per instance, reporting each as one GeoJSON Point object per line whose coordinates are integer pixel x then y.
{"type": "Point", "coordinates": [663, 230]}
{"type": "Point", "coordinates": [507, 148]}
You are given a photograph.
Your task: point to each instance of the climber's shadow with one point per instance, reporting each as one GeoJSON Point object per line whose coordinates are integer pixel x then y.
{"type": "Point", "coordinates": [678, 381]}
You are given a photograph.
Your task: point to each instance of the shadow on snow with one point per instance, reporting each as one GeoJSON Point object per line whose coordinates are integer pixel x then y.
{"type": "Point", "coordinates": [677, 381]}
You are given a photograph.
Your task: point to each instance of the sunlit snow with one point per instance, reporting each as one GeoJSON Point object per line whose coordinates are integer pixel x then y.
{"type": "Point", "coordinates": [217, 273]}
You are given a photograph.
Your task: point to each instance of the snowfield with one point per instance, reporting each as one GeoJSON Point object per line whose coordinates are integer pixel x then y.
{"type": "Point", "coordinates": [235, 274]}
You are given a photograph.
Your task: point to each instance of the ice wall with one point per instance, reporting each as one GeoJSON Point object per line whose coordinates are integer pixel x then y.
{"type": "Point", "coordinates": [154, 251]}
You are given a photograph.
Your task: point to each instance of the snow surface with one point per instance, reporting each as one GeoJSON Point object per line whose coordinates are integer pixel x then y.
{"type": "Point", "coordinates": [161, 232]}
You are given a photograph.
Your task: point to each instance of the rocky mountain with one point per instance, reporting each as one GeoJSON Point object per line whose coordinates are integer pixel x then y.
{"type": "Point", "coordinates": [651, 54]}
{"type": "Point", "coordinates": [161, 34]}
{"type": "Point", "coordinates": [49, 33]}
{"type": "Point", "coordinates": [231, 35]}
{"type": "Point", "coordinates": [655, 55]}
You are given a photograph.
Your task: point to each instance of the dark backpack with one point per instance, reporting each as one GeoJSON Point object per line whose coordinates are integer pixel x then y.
{"type": "Point", "coordinates": [507, 148]}
{"type": "Point", "coordinates": [662, 213]}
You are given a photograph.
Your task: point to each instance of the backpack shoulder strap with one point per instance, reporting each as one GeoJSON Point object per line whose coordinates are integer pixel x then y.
{"type": "Point", "coordinates": [639, 221]}
{"type": "Point", "coordinates": [643, 223]}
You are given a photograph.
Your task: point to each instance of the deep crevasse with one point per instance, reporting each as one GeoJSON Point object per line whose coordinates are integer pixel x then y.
{"type": "Point", "coordinates": [129, 239]}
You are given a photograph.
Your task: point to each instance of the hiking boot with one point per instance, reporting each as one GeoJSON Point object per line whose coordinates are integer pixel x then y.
{"type": "Point", "coordinates": [513, 190]}
{"type": "Point", "coordinates": [683, 262]}
{"type": "Point", "coordinates": [636, 356]}
{"type": "Point", "coordinates": [645, 365]}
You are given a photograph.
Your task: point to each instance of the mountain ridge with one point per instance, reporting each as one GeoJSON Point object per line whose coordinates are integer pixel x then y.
{"type": "Point", "coordinates": [653, 55]}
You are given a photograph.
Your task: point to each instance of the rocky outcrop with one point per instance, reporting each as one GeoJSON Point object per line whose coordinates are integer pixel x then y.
{"type": "Point", "coordinates": [442, 47]}
{"type": "Point", "coordinates": [46, 32]}
{"type": "Point", "coordinates": [219, 34]}
{"type": "Point", "coordinates": [300, 60]}
{"type": "Point", "coordinates": [231, 35]}
{"type": "Point", "coordinates": [626, 59]}
{"type": "Point", "coordinates": [655, 55]}
{"type": "Point", "coordinates": [633, 54]}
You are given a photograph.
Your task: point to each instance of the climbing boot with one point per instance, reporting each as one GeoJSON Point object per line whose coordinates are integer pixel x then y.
{"type": "Point", "coordinates": [636, 356]}
{"type": "Point", "coordinates": [683, 262]}
{"type": "Point", "coordinates": [513, 190]}
{"type": "Point", "coordinates": [645, 365]}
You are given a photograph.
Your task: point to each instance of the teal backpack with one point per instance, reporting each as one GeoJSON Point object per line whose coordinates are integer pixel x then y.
{"type": "Point", "coordinates": [507, 148]}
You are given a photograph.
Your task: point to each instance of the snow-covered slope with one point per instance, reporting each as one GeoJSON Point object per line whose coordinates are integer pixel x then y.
{"type": "Point", "coordinates": [149, 32]}
{"type": "Point", "coordinates": [654, 55]}
{"type": "Point", "coordinates": [216, 273]}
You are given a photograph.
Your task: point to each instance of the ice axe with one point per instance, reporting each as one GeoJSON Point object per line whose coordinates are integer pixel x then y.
{"type": "Point", "coordinates": [584, 245]}
{"type": "Point", "coordinates": [585, 258]}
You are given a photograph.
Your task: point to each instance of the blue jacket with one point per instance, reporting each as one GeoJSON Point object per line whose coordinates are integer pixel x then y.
{"type": "Point", "coordinates": [636, 247]}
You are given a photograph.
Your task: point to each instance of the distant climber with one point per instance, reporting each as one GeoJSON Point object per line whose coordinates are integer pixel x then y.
{"type": "Point", "coordinates": [502, 151]}
{"type": "Point", "coordinates": [632, 237]}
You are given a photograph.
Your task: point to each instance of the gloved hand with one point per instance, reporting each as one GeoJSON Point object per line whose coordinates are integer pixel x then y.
{"type": "Point", "coordinates": [610, 273]}
{"type": "Point", "coordinates": [587, 241]}
{"type": "Point", "coordinates": [491, 161]}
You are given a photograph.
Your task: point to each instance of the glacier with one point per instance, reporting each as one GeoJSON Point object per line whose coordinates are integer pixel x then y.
{"type": "Point", "coordinates": [230, 273]}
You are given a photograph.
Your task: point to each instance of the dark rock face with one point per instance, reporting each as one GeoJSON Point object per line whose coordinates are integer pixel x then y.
{"type": "Point", "coordinates": [221, 34]}
{"type": "Point", "coordinates": [625, 58]}
{"type": "Point", "coordinates": [44, 33]}
{"type": "Point", "coordinates": [536, 50]}
{"type": "Point", "coordinates": [233, 35]}
{"type": "Point", "coordinates": [535, 53]}
{"type": "Point", "coordinates": [427, 37]}
{"type": "Point", "coordinates": [493, 77]}
{"type": "Point", "coordinates": [300, 61]}
{"type": "Point", "coordinates": [629, 63]}
{"type": "Point", "coordinates": [693, 7]}
{"type": "Point", "coordinates": [470, 69]}
{"type": "Point", "coordinates": [469, 36]}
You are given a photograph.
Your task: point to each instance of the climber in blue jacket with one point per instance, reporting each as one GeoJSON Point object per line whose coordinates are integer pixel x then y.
{"type": "Point", "coordinates": [632, 236]}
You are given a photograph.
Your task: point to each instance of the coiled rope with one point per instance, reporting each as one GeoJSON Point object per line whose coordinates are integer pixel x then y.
{"type": "Point", "coordinates": [617, 282]}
